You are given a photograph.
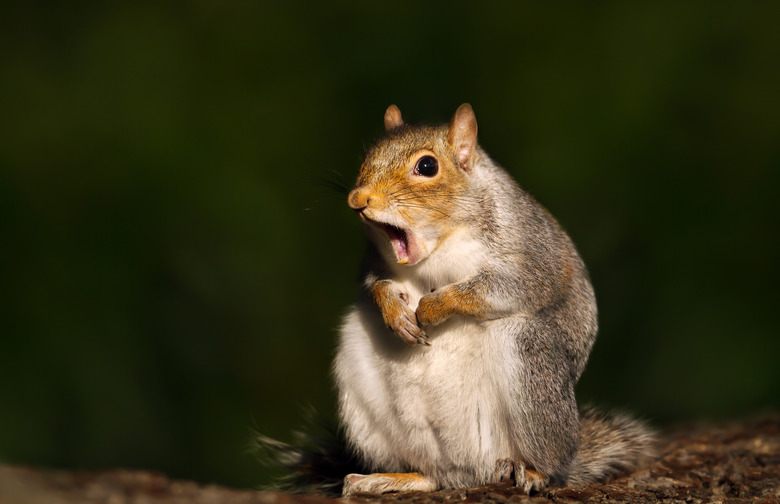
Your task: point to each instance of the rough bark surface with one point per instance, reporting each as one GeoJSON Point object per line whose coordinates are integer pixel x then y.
{"type": "Point", "coordinates": [731, 463]}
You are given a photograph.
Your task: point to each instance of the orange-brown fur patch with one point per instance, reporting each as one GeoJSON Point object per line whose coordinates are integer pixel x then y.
{"type": "Point", "coordinates": [391, 307]}
{"type": "Point", "coordinates": [533, 474]}
{"type": "Point", "coordinates": [439, 306]}
{"type": "Point", "coordinates": [568, 270]}
{"type": "Point", "coordinates": [404, 476]}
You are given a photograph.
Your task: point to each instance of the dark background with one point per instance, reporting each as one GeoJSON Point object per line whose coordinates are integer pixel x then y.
{"type": "Point", "coordinates": [175, 262]}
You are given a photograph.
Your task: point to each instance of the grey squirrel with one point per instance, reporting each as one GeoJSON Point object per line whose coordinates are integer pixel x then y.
{"type": "Point", "coordinates": [457, 365]}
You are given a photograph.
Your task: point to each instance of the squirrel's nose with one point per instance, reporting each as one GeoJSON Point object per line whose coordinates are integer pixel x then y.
{"type": "Point", "coordinates": [358, 199]}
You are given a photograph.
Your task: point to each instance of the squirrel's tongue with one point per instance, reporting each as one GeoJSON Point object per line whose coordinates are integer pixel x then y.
{"type": "Point", "coordinates": [400, 242]}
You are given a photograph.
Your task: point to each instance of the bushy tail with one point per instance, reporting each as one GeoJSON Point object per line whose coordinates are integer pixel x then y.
{"type": "Point", "coordinates": [610, 445]}
{"type": "Point", "coordinates": [315, 462]}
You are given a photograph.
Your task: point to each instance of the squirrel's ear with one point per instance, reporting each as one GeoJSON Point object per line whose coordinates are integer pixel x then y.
{"type": "Point", "coordinates": [393, 118]}
{"type": "Point", "coordinates": [462, 135]}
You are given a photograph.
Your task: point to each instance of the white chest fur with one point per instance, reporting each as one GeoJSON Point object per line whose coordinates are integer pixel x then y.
{"type": "Point", "coordinates": [456, 258]}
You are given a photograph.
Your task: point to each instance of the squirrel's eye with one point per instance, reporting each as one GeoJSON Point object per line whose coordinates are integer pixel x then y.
{"type": "Point", "coordinates": [427, 166]}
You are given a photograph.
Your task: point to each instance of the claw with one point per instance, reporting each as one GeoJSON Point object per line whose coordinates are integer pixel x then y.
{"type": "Point", "coordinates": [405, 326]}
{"type": "Point", "coordinates": [527, 479]}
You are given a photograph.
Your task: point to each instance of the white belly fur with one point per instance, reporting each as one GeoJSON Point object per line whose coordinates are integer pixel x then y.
{"type": "Point", "coordinates": [443, 410]}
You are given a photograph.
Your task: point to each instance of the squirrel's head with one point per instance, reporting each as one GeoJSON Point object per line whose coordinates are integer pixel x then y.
{"type": "Point", "coordinates": [413, 185]}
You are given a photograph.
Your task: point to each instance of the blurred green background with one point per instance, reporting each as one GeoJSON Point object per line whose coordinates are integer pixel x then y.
{"type": "Point", "coordinates": [175, 260]}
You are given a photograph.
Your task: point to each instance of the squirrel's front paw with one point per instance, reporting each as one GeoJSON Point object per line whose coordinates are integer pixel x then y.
{"type": "Point", "coordinates": [406, 327]}
{"type": "Point", "coordinates": [433, 309]}
{"type": "Point", "coordinates": [402, 320]}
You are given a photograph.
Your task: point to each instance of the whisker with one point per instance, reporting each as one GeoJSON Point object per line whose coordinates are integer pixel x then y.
{"type": "Point", "coordinates": [426, 208]}
{"type": "Point", "coordinates": [461, 204]}
{"type": "Point", "coordinates": [403, 191]}
{"type": "Point", "coordinates": [442, 193]}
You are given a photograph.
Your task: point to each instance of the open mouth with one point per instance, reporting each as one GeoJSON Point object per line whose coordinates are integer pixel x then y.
{"type": "Point", "coordinates": [399, 239]}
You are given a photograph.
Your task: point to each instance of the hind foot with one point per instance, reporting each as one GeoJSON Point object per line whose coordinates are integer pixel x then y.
{"type": "Point", "coordinates": [379, 483]}
{"type": "Point", "coordinates": [527, 479]}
